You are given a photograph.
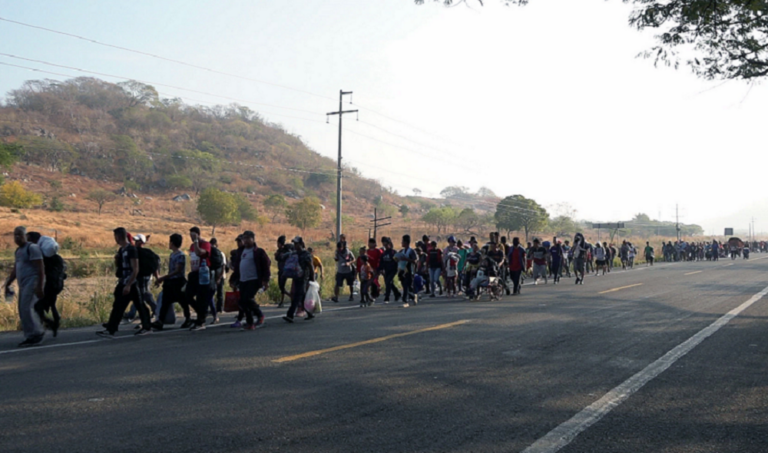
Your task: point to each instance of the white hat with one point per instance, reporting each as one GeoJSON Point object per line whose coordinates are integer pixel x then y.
{"type": "Point", "coordinates": [140, 237]}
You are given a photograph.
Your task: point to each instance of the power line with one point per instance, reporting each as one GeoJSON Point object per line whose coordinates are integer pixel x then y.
{"type": "Point", "coordinates": [143, 81]}
{"type": "Point", "coordinates": [159, 57]}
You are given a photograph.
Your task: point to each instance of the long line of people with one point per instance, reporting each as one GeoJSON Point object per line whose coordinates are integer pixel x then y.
{"type": "Point", "coordinates": [424, 269]}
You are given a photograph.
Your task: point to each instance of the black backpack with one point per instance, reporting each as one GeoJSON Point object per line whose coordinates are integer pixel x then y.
{"type": "Point", "coordinates": [149, 262]}
{"type": "Point", "coordinates": [217, 259]}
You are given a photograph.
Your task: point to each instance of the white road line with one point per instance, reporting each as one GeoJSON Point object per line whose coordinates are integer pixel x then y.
{"type": "Point", "coordinates": [123, 337]}
{"type": "Point", "coordinates": [567, 431]}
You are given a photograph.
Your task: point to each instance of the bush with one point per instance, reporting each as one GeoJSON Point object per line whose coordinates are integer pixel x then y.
{"type": "Point", "coordinates": [71, 244]}
{"type": "Point", "coordinates": [225, 179]}
{"type": "Point", "coordinates": [56, 205]}
{"type": "Point", "coordinates": [55, 184]}
{"type": "Point", "coordinates": [14, 195]}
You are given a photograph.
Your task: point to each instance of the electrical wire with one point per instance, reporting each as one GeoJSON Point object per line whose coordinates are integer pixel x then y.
{"type": "Point", "coordinates": [159, 57]}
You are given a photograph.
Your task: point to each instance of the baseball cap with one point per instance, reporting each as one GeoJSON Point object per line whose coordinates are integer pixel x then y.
{"type": "Point", "coordinates": [297, 240]}
{"type": "Point", "coordinates": [140, 237]}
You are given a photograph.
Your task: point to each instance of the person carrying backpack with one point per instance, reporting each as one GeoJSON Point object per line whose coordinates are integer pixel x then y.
{"type": "Point", "coordinates": [298, 267]}
{"type": "Point", "coordinates": [55, 274]}
{"type": "Point", "coordinates": [173, 283]}
{"type": "Point", "coordinates": [149, 266]}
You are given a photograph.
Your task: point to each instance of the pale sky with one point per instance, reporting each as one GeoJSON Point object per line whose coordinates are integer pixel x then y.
{"type": "Point", "coordinates": [548, 100]}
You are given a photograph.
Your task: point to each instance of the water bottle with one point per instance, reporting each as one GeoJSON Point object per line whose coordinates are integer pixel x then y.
{"type": "Point", "coordinates": [205, 273]}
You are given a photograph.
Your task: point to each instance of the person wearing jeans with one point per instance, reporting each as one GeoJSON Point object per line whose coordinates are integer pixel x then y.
{"type": "Point", "coordinates": [127, 290]}
{"type": "Point", "coordinates": [29, 270]}
{"type": "Point", "coordinates": [197, 294]}
{"type": "Point", "coordinates": [406, 262]}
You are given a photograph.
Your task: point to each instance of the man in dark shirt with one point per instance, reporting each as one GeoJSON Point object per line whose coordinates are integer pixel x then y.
{"type": "Point", "coordinates": [127, 289]}
{"type": "Point", "coordinates": [496, 253]}
{"type": "Point", "coordinates": [388, 266]}
{"type": "Point", "coordinates": [299, 284]}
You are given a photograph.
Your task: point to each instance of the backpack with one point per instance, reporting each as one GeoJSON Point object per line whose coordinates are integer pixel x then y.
{"type": "Point", "coordinates": [149, 262]}
{"type": "Point", "coordinates": [292, 268]}
{"type": "Point", "coordinates": [55, 269]}
{"type": "Point", "coordinates": [217, 259]}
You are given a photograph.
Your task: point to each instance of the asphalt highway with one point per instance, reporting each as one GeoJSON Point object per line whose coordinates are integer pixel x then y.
{"type": "Point", "coordinates": [635, 361]}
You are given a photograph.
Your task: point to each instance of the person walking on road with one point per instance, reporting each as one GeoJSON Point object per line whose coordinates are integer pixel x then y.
{"type": "Point", "coordinates": [345, 270]}
{"type": "Point", "coordinates": [173, 283]}
{"type": "Point", "coordinates": [55, 274]}
{"type": "Point", "coordinates": [300, 280]}
{"type": "Point", "coordinates": [579, 256]}
{"type": "Point", "coordinates": [388, 267]}
{"type": "Point", "coordinates": [649, 255]}
{"type": "Point", "coordinates": [254, 275]}
{"type": "Point", "coordinates": [198, 284]}
{"type": "Point", "coordinates": [127, 289]}
{"type": "Point", "coordinates": [406, 268]}
{"type": "Point", "coordinates": [516, 259]}
{"type": "Point", "coordinates": [29, 270]}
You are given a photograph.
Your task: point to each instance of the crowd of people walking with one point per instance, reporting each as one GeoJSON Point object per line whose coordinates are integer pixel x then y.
{"type": "Point", "coordinates": [422, 269]}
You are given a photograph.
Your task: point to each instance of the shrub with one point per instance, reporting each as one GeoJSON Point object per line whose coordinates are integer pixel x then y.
{"type": "Point", "coordinates": [14, 195]}
{"type": "Point", "coordinates": [56, 205]}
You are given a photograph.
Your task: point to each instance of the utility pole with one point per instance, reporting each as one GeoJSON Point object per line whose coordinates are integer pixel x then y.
{"type": "Point", "coordinates": [376, 224]}
{"type": "Point", "coordinates": [677, 222]}
{"type": "Point", "coordinates": [341, 113]}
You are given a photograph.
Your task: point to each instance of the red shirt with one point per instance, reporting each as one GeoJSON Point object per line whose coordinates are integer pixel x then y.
{"type": "Point", "coordinates": [515, 259]}
{"type": "Point", "coordinates": [374, 257]}
{"type": "Point", "coordinates": [195, 260]}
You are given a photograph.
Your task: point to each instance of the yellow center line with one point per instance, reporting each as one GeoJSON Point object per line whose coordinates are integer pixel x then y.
{"type": "Point", "coordinates": [619, 289]}
{"type": "Point", "coordinates": [366, 342]}
{"type": "Point", "coordinates": [695, 272]}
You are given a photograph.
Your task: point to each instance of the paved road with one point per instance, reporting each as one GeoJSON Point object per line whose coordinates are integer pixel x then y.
{"type": "Point", "coordinates": [445, 376]}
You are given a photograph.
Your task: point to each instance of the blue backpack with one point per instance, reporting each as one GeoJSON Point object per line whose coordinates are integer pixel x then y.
{"type": "Point", "coordinates": [418, 283]}
{"type": "Point", "coordinates": [291, 268]}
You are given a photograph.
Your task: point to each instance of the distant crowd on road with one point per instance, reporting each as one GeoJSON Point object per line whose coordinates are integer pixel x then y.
{"type": "Point", "coordinates": [424, 268]}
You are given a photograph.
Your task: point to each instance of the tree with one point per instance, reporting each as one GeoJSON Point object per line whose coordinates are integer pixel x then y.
{"type": "Point", "coordinates": [140, 93]}
{"type": "Point", "coordinates": [101, 197]}
{"type": "Point", "coordinates": [417, 191]}
{"type": "Point", "coordinates": [485, 192]}
{"type": "Point", "coordinates": [10, 154]}
{"type": "Point", "coordinates": [454, 192]}
{"type": "Point", "coordinates": [440, 217]}
{"type": "Point", "coordinates": [404, 209]}
{"type": "Point", "coordinates": [304, 213]}
{"type": "Point", "coordinates": [275, 204]}
{"type": "Point", "coordinates": [516, 213]}
{"type": "Point", "coordinates": [467, 220]}
{"type": "Point", "coordinates": [245, 209]}
{"type": "Point", "coordinates": [217, 208]}
{"type": "Point", "coordinates": [14, 195]}
{"type": "Point", "coordinates": [563, 226]}
{"type": "Point", "coordinates": [724, 39]}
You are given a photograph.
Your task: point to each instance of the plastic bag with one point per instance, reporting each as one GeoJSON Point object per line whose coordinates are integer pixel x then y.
{"type": "Point", "coordinates": [312, 302]}
{"type": "Point", "coordinates": [48, 246]}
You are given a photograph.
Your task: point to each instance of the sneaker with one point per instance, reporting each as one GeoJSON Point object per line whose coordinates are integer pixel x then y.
{"type": "Point", "coordinates": [249, 327]}
{"type": "Point", "coordinates": [236, 325]}
{"type": "Point", "coordinates": [577, 280]}
{"type": "Point", "coordinates": [106, 334]}
{"type": "Point", "coordinates": [288, 319]}
{"type": "Point", "coordinates": [143, 332]}
{"type": "Point", "coordinates": [335, 299]}
{"type": "Point", "coordinates": [34, 341]}
{"type": "Point", "coordinates": [197, 327]}
{"type": "Point", "coordinates": [187, 324]}
{"type": "Point", "coordinates": [260, 323]}
{"type": "Point", "coordinates": [406, 305]}
{"type": "Point", "coordinates": [362, 305]}
{"type": "Point", "coordinates": [157, 325]}
{"type": "Point", "coordinates": [386, 301]}
{"type": "Point", "coordinates": [215, 320]}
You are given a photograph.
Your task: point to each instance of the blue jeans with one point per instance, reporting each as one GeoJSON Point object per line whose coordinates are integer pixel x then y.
{"type": "Point", "coordinates": [434, 278]}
